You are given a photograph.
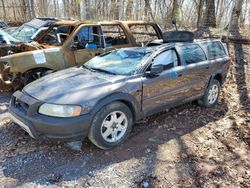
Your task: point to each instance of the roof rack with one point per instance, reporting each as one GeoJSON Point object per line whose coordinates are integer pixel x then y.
{"type": "Point", "coordinates": [178, 36]}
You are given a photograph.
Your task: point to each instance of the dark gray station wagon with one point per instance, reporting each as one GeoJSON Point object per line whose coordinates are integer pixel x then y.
{"type": "Point", "coordinates": [103, 98]}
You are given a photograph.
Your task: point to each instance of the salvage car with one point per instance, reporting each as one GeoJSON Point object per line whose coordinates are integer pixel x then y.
{"type": "Point", "coordinates": [103, 98]}
{"type": "Point", "coordinates": [6, 39]}
{"type": "Point", "coordinates": [69, 43]}
{"type": "Point", "coordinates": [3, 24]}
{"type": "Point", "coordinates": [26, 31]}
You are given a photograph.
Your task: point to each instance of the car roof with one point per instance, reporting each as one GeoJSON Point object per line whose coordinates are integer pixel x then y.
{"type": "Point", "coordinates": [40, 22]}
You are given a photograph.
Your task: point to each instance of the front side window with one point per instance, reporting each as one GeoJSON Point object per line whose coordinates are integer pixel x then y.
{"type": "Point", "coordinates": [120, 62]}
{"type": "Point", "coordinates": [88, 37]}
{"type": "Point", "coordinates": [114, 35]}
{"type": "Point", "coordinates": [214, 49]}
{"type": "Point", "coordinates": [143, 33]}
{"type": "Point", "coordinates": [56, 35]}
{"type": "Point", "coordinates": [167, 58]}
{"type": "Point", "coordinates": [192, 53]}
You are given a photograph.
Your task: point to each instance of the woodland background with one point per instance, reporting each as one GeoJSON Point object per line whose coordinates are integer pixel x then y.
{"type": "Point", "coordinates": [189, 13]}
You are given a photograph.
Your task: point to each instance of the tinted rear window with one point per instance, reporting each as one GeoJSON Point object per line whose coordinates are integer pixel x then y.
{"type": "Point", "coordinates": [214, 50]}
{"type": "Point", "coordinates": [192, 53]}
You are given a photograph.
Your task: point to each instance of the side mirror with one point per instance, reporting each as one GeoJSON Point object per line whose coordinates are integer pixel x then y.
{"type": "Point", "coordinates": [156, 70]}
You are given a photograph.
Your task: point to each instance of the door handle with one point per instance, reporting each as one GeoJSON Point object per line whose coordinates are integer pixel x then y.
{"type": "Point", "coordinates": [180, 75]}
{"type": "Point", "coordinates": [97, 53]}
{"type": "Point", "coordinates": [207, 67]}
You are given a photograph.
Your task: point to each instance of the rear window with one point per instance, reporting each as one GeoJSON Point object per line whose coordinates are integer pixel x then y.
{"type": "Point", "coordinates": [214, 50]}
{"type": "Point", "coordinates": [143, 33]}
{"type": "Point", "coordinates": [192, 53]}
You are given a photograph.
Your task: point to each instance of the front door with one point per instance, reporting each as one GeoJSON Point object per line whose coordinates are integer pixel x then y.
{"type": "Point", "coordinates": [166, 88]}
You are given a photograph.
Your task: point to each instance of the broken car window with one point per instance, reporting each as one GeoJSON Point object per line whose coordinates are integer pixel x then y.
{"type": "Point", "coordinates": [120, 62]}
{"type": "Point", "coordinates": [143, 33]}
{"type": "Point", "coordinates": [24, 33]}
{"type": "Point", "coordinates": [167, 58]}
{"type": "Point", "coordinates": [114, 35]}
{"type": "Point", "coordinates": [192, 53]}
{"type": "Point", "coordinates": [56, 35]}
{"type": "Point", "coordinates": [88, 37]}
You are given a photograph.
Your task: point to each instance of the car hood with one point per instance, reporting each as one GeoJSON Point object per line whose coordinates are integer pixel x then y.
{"type": "Point", "coordinates": [75, 85]}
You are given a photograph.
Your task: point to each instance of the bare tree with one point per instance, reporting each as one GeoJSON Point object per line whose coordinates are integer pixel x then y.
{"type": "Point", "coordinates": [4, 11]}
{"type": "Point", "coordinates": [176, 10]}
{"type": "Point", "coordinates": [148, 10]}
{"type": "Point", "coordinates": [234, 26]}
{"type": "Point", "coordinates": [209, 16]}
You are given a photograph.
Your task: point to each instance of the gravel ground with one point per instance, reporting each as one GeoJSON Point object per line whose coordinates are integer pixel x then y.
{"type": "Point", "coordinates": [188, 146]}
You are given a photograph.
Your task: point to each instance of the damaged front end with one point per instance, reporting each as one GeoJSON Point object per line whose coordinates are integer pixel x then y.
{"type": "Point", "coordinates": [10, 81]}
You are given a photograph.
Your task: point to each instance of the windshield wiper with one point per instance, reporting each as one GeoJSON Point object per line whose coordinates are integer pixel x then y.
{"type": "Point", "coordinates": [102, 70]}
{"type": "Point", "coordinates": [84, 66]}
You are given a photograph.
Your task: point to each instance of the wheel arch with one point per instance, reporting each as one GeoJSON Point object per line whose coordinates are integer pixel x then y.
{"type": "Point", "coordinates": [125, 98]}
{"type": "Point", "coordinates": [217, 76]}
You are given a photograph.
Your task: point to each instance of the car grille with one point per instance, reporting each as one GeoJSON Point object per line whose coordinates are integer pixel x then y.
{"type": "Point", "coordinates": [20, 105]}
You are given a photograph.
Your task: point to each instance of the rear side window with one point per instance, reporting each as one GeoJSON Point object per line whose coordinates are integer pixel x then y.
{"type": "Point", "coordinates": [143, 33]}
{"type": "Point", "coordinates": [114, 35]}
{"type": "Point", "coordinates": [214, 50]}
{"type": "Point", "coordinates": [192, 53]}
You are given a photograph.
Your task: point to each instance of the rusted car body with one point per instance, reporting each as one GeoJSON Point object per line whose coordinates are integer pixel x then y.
{"type": "Point", "coordinates": [70, 43]}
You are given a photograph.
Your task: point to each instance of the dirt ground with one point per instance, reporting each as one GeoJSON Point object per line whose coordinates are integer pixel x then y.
{"type": "Point", "coordinates": [188, 146]}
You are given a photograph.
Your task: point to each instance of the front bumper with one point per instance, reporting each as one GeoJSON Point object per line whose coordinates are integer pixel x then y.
{"type": "Point", "coordinates": [23, 110]}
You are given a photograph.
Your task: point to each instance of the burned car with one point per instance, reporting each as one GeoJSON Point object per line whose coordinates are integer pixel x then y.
{"type": "Point", "coordinates": [26, 32]}
{"type": "Point", "coordinates": [103, 98]}
{"type": "Point", "coordinates": [69, 43]}
{"type": "Point", "coordinates": [6, 39]}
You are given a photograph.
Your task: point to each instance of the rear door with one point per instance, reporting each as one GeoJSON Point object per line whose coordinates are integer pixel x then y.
{"type": "Point", "coordinates": [197, 68]}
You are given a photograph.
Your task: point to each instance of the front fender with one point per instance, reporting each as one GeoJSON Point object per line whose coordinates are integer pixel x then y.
{"type": "Point", "coordinates": [128, 99]}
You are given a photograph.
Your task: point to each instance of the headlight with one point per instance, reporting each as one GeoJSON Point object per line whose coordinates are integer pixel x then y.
{"type": "Point", "coordinates": [60, 110]}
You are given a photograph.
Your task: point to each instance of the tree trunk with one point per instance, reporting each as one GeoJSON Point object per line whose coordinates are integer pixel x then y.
{"type": "Point", "coordinates": [200, 13]}
{"type": "Point", "coordinates": [176, 10]}
{"type": "Point", "coordinates": [234, 26]}
{"type": "Point", "coordinates": [14, 11]}
{"type": "Point", "coordinates": [148, 10]}
{"type": "Point", "coordinates": [4, 11]}
{"type": "Point", "coordinates": [55, 7]}
{"type": "Point", "coordinates": [129, 9]}
{"type": "Point", "coordinates": [220, 12]}
{"type": "Point", "coordinates": [209, 17]}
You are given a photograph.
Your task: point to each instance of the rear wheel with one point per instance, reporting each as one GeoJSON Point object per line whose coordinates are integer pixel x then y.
{"type": "Point", "coordinates": [211, 96]}
{"type": "Point", "coordinates": [111, 125]}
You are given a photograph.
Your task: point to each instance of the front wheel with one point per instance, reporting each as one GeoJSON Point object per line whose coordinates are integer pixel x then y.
{"type": "Point", "coordinates": [211, 96]}
{"type": "Point", "coordinates": [111, 125]}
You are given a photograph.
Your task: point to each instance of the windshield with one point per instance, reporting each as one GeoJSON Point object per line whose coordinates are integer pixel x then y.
{"type": "Point", "coordinates": [120, 62]}
{"type": "Point", "coordinates": [57, 35]}
{"type": "Point", "coordinates": [24, 33]}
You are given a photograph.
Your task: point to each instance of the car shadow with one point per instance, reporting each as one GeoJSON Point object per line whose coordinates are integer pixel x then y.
{"type": "Point", "coordinates": [26, 160]}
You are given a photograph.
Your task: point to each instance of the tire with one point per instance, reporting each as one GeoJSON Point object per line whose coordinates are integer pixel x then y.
{"type": "Point", "coordinates": [106, 133]}
{"type": "Point", "coordinates": [211, 96]}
